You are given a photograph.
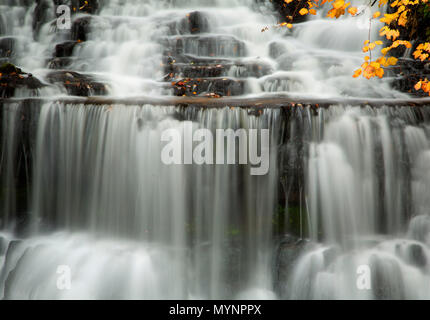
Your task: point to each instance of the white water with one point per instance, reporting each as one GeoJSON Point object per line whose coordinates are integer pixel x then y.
{"type": "Point", "coordinates": [206, 221]}
{"type": "Point", "coordinates": [124, 47]}
{"type": "Point", "coordinates": [131, 228]}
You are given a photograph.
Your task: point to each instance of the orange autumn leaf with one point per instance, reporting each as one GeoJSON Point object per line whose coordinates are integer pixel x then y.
{"type": "Point", "coordinates": [352, 11]}
{"type": "Point", "coordinates": [303, 11]}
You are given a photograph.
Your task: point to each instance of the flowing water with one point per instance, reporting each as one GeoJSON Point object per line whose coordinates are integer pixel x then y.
{"type": "Point", "coordinates": [346, 189]}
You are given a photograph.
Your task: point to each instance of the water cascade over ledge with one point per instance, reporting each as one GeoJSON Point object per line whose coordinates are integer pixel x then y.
{"type": "Point", "coordinates": [83, 186]}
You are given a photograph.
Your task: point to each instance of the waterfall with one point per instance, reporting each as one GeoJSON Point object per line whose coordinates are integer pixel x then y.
{"type": "Point", "coordinates": [84, 189]}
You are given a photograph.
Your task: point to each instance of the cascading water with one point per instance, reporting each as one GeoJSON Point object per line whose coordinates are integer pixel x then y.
{"type": "Point", "coordinates": [352, 181]}
{"type": "Point", "coordinates": [119, 189]}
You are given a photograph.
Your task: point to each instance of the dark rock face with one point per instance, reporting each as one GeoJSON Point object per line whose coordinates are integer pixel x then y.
{"type": "Point", "coordinates": [193, 23]}
{"type": "Point", "coordinates": [41, 16]}
{"type": "Point", "coordinates": [196, 22]}
{"type": "Point", "coordinates": [65, 49]}
{"type": "Point", "coordinates": [417, 255]}
{"type": "Point", "coordinates": [218, 87]}
{"type": "Point", "coordinates": [89, 6]}
{"type": "Point", "coordinates": [81, 28]}
{"type": "Point", "coordinates": [3, 246]}
{"type": "Point", "coordinates": [224, 69]}
{"type": "Point", "coordinates": [77, 84]}
{"type": "Point", "coordinates": [419, 228]}
{"type": "Point", "coordinates": [387, 280]}
{"type": "Point", "coordinates": [276, 49]}
{"type": "Point", "coordinates": [2, 26]}
{"type": "Point", "coordinates": [12, 78]}
{"type": "Point", "coordinates": [412, 253]}
{"type": "Point", "coordinates": [16, 169]}
{"type": "Point", "coordinates": [7, 45]}
{"type": "Point", "coordinates": [59, 63]}
{"type": "Point", "coordinates": [81, 6]}
{"type": "Point", "coordinates": [290, 10]}
{"type": "Point", "coordinates": [210, 46]}
{"type": "Point", "coordinates": [289, 250]}
{"type": "Point", "coordinates": [407, 73]}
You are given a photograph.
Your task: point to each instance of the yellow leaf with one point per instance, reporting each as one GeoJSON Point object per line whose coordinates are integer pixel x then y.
{"type": "Point", "coordinates": [357, 73]}
{"type": "Point", "coordinates": [392, 61]}
{"type": "Point", "coordinates": [303, 11]}
{"type": "Point", "coordinates": [418, 85]}
{"type": "Point", "coordinates": [379, 72]}
{"type": "Point", "coordinates": [352, 11]}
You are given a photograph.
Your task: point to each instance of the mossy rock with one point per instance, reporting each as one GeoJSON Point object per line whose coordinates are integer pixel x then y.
{"type": "Point", "coordinates": [12, 77]}
{"type": "Point", "coordinates": [9, 68]}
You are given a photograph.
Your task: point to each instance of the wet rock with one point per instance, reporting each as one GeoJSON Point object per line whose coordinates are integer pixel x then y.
{"type": "Point", "coordinates": [419, 228]}
{"type": "Point", "coordinates": [330, 255]}
{"type": "Point", "coordinates": [197, 22]}
{"type": "Point", "coordinates": [387, 279]}
{"type": "Point", "coordinates": [7, 45]}
{"type": "Point", "coordinates": [86, 6]}
{"type": "Point", "coordinates": [81, 28]}
{"type": "Point", "coordinates": [198, 71]}
{"type": "Point", "coordinates": [239, 70]}
{"type": "Point", "coordinates": [41, 15]}
{"type": "Point", "coordinates": [208, 45]}
{"type": "Point", "coordinates": [276, 49]}
{"type": "Point", "coordinates": [65, 49]}
{"type": "Point", "coordinates": [59, 63]}
{"type": "Point", "coordinates": [407, 73]}
{"type": "Point", "coordinates": [12, 78]}
{"type": "Point", "coordinates": [417, 255]}
{"type": "Point", "coordinates": [3, 246]}
{"type": "Point", "coordinates": [217, 86]}
{"type": "Point", "coordinates": [290, 10]}
{"type": "Point", "coordinates": [77, 84]}
{"type": "Point", "coordinates": [194, 22]}
{"type": "Point", "coordinates": [173, 64]}
{"type": "Point", "coordinates": [289, 250]}
{"type": "Point", "coordinates": [2, 26]}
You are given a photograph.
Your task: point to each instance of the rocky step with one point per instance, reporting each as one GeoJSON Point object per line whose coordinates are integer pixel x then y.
{"type": "Point", "coordinates": [282, 82]}
{"type": "Point", "coordinates": [204, 45]}
{"type": "Point", "coordinates": [193, 23]}
{"type": "Point", "coordinates": [211, 87]}
{"type": "Point", "coordinates": [60, 63]}
{"type": "Point", "coordinates": [12, 78]}
{"type": "Point", "coordinates": [66, 63]}
{"type": "Point", "coordinates": [254, 104]}
{"type": "Point", "coordinates": [406, 73]}
{"type": "Point", "coordinates": [86, 6]}
{"type": "Point", "coordinates": [62, 57]}
{"type": "Point", "coordinates": [169, 59]}
{"type": "Point", "coordinates": [81, 28]}
{"type": "Point", "coordinates": [65, 49]}
{"type": "Point", "coordinates": [77, 84]}
{"type": "Point", "coordinates": [225, 69]}
{"type": "Point", "coordinates": [7, 46]}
